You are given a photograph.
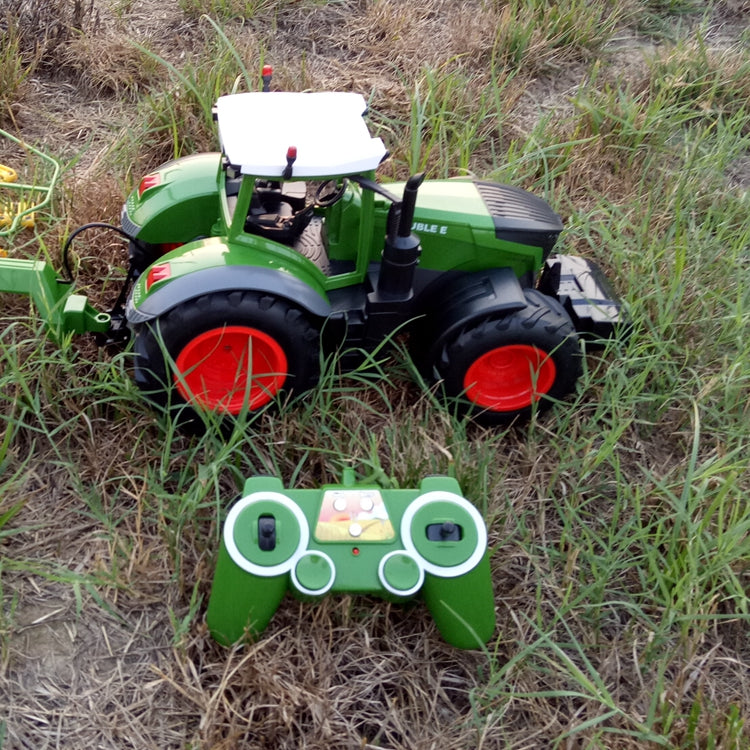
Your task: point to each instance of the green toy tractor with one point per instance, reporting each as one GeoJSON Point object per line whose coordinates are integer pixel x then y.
{"type": "Point", "coordinates": [251, 262]}
{"type": "Point", "coordinates": [252, 265]}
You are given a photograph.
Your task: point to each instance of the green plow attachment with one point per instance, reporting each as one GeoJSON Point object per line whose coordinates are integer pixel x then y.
{"type": "Point", "coordinates": [62, 311]}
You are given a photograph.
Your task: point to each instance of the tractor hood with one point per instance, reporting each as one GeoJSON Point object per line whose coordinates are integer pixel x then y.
{"type": "Point", "coordinates": [513, 214]}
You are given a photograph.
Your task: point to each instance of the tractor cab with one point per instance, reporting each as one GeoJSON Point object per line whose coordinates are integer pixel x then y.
{"type": "Point", "coordinates": [286, 158]}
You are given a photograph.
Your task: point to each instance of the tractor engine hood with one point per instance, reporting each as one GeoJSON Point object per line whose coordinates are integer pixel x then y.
{"type": "Point", "coordinates": [513, 214]}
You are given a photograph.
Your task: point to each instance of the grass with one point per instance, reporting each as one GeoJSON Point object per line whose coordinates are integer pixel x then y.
{"type": "Point", "coordinates": [245, 9]}
{"type": "Point", "coordinates": [618, 521]}
{"type": "Point", "coordinates": [14, 69]}
{"type": "Point", "coordinates": [534, 36]}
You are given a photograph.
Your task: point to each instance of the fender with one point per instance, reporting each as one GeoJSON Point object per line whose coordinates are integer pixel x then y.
{"type": "Point", "coordinates": [185, 279]}
{"type": "Point", "coordinates": [175, 203]}
{"type": "Point", "coordinates": [453, 301]}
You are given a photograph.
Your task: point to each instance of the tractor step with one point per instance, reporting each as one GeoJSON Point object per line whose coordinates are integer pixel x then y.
{"type": "Point", "coordinates": [586, 294]}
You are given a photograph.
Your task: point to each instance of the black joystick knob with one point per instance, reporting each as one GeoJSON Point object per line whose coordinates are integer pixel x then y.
{"type": "Point", "coordinates": [267, 533]}
{"type": "Point", "coordinates": [444, 532]}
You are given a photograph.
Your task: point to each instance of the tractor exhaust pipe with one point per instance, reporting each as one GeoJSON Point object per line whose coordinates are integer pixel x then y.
{"type": "Point", "coordinates": [402, 248]}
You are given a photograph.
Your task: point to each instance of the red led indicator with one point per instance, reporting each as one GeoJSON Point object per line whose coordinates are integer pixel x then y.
{"type": "Point", "coordinates": [355, 551]}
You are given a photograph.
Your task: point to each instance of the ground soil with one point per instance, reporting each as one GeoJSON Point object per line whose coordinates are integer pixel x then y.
{"type": "Point", "coordinates": [110, 666]}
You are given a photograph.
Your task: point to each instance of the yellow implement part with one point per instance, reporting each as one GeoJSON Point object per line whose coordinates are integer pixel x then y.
{"type": "Point", "coordinates": [7, 174]}
{"type": "Point", "coordinates": [8, 212]}
{"type": "Point", "coordinates": [27, 220]}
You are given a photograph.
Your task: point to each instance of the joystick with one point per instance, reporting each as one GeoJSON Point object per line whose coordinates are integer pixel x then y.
{"type": "Point", "coordinates": [352, 538]}
{"type": "Point", "coordinates": [267, 533]}
{"type": "Point", "coordinates": [443, 532]}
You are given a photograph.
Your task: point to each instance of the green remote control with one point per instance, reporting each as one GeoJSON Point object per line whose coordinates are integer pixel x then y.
{"type": "Point", "coordinates": [352, 538]}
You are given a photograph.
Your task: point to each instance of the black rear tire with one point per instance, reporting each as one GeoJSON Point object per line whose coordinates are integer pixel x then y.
{"type": "Point", "coordinates": [502, 367]}
{"type": "Point", "coordinates": [226, 353]}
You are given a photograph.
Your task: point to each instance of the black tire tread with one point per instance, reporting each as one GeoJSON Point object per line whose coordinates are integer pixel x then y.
{"type": "Point", "coordinates": [543, 322]}
{"type": "Point", "coordinates": [293, 329]}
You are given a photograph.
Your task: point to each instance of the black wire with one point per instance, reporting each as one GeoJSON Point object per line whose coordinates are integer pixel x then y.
{"type": "Point", "coordinates": [74, 234]}
{"type": "Point", "coordinates": [118, 309]}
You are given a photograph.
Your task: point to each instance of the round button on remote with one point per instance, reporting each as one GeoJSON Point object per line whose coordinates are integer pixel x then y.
{"type": "Point", "coordinates": [250, 542]}
{"type": "Point", "coordinates": [314, 573]}
{"type": "Point", "coordinates": [445, 532]}
{"type": "Point", "coordinates": [400, 573]}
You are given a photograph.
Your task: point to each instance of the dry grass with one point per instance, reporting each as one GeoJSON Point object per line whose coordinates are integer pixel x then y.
{"type": "Point", "coordinates": [112, 521]}
{"type": "Point", "coordinates": [108, 65]}
{"type": "Point", "coordinates": [116, 670]}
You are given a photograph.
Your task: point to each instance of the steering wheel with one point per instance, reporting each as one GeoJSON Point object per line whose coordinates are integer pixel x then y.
{"type": "Point", "coordinates": [329, 192]}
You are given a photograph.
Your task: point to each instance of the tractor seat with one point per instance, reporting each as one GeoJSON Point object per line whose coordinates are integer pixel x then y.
{"type": "Point", "coordinates": [277, 213]}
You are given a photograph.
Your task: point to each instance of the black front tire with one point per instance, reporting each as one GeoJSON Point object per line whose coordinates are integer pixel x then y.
{"type": "Point", "coordinates": [501, 367]}
{"type": "Point", "coordinates": [226, 353]}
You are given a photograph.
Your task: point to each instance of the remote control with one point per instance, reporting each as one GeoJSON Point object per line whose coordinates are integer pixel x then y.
{"type": "Point", "coordinates": [395, 544]}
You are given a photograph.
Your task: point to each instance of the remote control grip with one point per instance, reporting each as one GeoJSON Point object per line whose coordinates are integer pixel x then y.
{"type": "Point", "coordinates": [463, 608]}
{"type": "Point", "coordinates": [241, 602]}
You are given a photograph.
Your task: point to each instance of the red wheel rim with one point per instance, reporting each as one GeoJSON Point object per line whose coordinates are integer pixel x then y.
{"type": "Point", "coordinates": [510, 377]}
{"type": "Point", "coordinates": [225, 368]}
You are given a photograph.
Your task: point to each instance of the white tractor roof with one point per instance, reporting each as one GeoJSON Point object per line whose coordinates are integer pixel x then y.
{"type": "Point", "coordinates": [328, 130]}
